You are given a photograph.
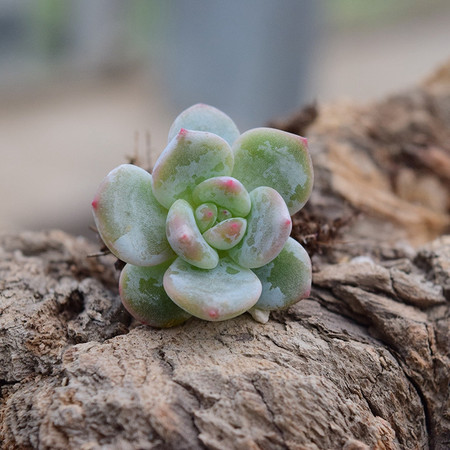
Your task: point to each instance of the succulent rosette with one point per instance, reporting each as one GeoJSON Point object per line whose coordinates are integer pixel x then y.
{"type": "Point", "coordinates": [207, 233]}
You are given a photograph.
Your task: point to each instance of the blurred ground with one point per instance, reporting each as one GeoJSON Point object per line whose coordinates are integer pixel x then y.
{"type": "Point", "coordinates": [57, 144]}
{"type": "Point", "coordinates": [56, 149]}
{"type": "Point", "coordinates": [364, 64]}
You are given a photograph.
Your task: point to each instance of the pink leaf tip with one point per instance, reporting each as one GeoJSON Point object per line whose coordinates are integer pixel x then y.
{"type": "Point", "coordinates": [213, 313]}
{"type": "Point", "coordinates": [304, 141]}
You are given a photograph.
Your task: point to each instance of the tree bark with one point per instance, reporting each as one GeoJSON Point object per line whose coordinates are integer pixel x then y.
{"type": "Point", "coordinates": [363, 363]}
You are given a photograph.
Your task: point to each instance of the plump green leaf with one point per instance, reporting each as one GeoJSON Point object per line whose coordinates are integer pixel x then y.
{"type": "Point", "coordinates": [223, 214]}
{"type": "Point", "coordinates": [202, 117]}
{"type": "Point", "coordinates": [129, 219]}
{"type": "Point", "coordinates": [218, 294]}
{"type": "Point", "coordinates": [268, 228]}
{"type": "Point", "coordinates": [226, 192]}
{"type": "Point", "coordinates": [269, 157]}
{"type": "Point", "coordinates": [206, 215]}
{"type": "Point", "coordinates": [226, 234]}
{"type": "Point", "coordinates": [185, 238]}
{"type": "Point", "coordinates": [143, 295]}
{"type": "Point", "coordinates": [286, 279]}
{"type": "Point", "coordinates": [190, 158]}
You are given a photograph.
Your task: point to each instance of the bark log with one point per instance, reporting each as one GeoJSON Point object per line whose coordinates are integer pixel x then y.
{"type": "Point", "coordinates": [362, 363]}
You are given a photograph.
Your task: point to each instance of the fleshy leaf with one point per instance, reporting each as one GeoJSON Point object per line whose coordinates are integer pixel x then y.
{"type": "Point", "coordinates": [259, 315]}
{"type": "Point", "coordinates": [206, 215]}
{"type": "Point", "coordinates": [223, 214]}
{"type": "Point", "coordinates": [218, 294]}
{"type": "Point", "coordinates": [226, 234]}
{"type": "Point", "coordinates": [143, 295]}
{"type": "Point", "coordinates": [190, 158]}
{"type": "Point", "coordinates": [269, 157]}
{"type": "Point", "coordinates": [129, 219]}
{"type": "Point", "coordinates": [226, 192]}
{"type": "Point", "coordinates": [202, 117]}
{"type": "Point", "coordinates": [185, 237]}
{"type": "Point", "coordinates": [286, 279]}
{"type": "Point", "coordinates": [268, 228]}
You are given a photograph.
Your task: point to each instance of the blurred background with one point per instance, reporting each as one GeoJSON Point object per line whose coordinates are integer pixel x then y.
{"type": "Point", "coordinates": [84, 84]}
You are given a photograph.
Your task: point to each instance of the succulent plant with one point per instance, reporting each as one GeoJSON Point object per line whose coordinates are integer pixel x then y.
{"type": "Point", "coordinates": [207, 233]}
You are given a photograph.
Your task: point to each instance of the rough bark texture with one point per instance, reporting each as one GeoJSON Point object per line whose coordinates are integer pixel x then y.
{"type": "Point", "coordinates": [363, 363]}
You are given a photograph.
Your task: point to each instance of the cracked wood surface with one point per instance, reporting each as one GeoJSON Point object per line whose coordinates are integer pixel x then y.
{"type": "Point", "coordinates": [353, 366]}
{"type": "Point", "coordinates": [361, 364]}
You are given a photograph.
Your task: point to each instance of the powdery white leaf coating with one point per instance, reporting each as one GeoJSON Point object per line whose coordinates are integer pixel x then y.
{"type": "Point", "coordinates": [226, 234]}
{"type": "Point", "coordinates": [130, 220]}
{"type": "Point", "coordinates": [205, 215]}
{"type": "Point", "coordinates": [226, 192]}
{"type": "Point", "coordinates": [203, 117]}
{"type": "Point", "coordinates": [218, 294]}
{"type": "Point", "coordinates": [185, 237]}
{"type": "Point", "coordinates": [269, 157]}
{"type": "Point", "coordinates": [190, 158]}
{"type": "Point", "coordinates": [268, 228]}
{"type": "Point", "coordinates": [286, 279]}
{"type": "Point", "coordinates": [143, 295]}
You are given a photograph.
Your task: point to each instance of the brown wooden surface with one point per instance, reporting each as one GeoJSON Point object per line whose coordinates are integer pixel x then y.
{"type": "Point", "coordinates": [362, 363]}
